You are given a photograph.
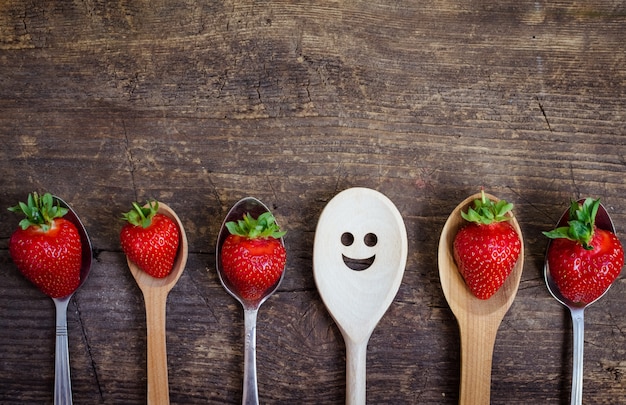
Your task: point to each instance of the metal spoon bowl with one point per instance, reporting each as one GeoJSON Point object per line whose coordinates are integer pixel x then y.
{"type": "Point", "coordinates": [62, 379]}
{"type": "Point", "coordinates": [250, 307]}
{"type": "Point", "coordinates": [603, 221]}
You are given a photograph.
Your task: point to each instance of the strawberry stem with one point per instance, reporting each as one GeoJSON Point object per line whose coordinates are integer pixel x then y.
{"type": "Point", "coordinates": [581, 223]}
{"type": "Point", "coordinates": [40, 211]}
{"type": "Point", "coordinates": [142, 216]}
{"type": "Point", "coordinates": [264, 226]}
{"type": "Point", "coordinates": [486, 212]}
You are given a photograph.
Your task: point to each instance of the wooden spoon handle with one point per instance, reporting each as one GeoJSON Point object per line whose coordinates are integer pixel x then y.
{"type": "Point", "coordinates": [477, 343]}
{"type": "Point", "coordinates": [355, 372]}
{"type": "Point", "coordinates": [158, 388]}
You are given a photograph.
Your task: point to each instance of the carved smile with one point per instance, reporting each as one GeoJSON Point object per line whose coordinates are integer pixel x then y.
{"type": "Point", "coordinates": [358, 264]}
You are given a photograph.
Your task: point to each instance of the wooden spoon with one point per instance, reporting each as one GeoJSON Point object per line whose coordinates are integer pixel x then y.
{"type": "Point", "coordinates": [478, 320]}
{"type": "Point", "coordinates": [155, 291]}
{"type": "Point", "coordinates": [361, 226]}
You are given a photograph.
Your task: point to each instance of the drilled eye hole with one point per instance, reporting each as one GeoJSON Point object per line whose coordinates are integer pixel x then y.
{"type": "Point", "coordinates": [347, 239]}
{"type": "Point", "coordinates": [370, 240]}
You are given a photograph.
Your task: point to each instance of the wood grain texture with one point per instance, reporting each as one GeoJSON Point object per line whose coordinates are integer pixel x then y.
{"type": "Point", "coordinates": [201, 103]}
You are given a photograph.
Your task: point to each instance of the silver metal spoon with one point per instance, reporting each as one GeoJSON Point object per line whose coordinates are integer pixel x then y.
{"type": "Point", "coordinates": [62, 380]}
{"type": "Point", "coordinates": [603, 221]}
{"type": "Point", "coordinates": [250, 307]}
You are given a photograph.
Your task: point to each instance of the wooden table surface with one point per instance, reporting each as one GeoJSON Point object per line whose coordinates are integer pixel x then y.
{"type": "Point", "coordinates": [201, 103]}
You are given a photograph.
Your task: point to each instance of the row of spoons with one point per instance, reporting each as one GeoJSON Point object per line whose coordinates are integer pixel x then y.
{"type": "Point", "coordinates": [357, 225]}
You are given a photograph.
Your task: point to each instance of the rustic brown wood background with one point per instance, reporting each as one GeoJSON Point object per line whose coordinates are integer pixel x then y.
{"type": "Point", "coordinates": [200, 103]}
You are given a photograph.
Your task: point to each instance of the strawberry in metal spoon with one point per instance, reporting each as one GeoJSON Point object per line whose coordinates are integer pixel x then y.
{"type": "Point", "coordinates": [52, 249]}
{"type": "Point", "coordinates": [46, 247]}
{"type": "Point", "coordinates": [253, 256]}
{"type": "Point", "coordinates": [250, 261]}
{"type": "Point", "coordinates": [584, 260]}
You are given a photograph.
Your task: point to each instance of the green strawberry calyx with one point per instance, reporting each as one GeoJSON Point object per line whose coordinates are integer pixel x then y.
{"type": "Point", "coordinates": [40, 211]}
{"type": "Point", "coordinates": [486, 211]}
{"type": "Point", "coordinates": [142, 216]}
{"type": "Point", "coordinates": [581, 223]}
{"type": "Point", "coordinates": [264, 226]}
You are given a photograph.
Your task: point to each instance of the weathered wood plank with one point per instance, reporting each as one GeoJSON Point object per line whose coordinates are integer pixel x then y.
{"type": "Point", "coordinates": [201, 103]}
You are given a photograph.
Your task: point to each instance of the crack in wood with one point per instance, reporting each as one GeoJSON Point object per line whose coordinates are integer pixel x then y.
{"type": "Point", "coordinates": [92, 361]}
{"type": "Point", "coordinates": [543, 112]}
{"type": "Point", "coordinates": [129, 157]}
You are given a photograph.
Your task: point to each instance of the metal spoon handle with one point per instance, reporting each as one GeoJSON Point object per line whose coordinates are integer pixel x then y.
{"type": "Point", "coordinates": [250, 389]}
{"type": "Point", "coordinates": [62, 380]}
{"type": "Point", "coordinates": [356, 390]}
{"type": "Point", "coordinates": [578, 323]}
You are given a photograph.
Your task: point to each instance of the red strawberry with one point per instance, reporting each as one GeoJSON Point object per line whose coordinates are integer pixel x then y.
{"type": "Point", "coordinates": [486, 249]}
{"type": "Point", "coordinates": [150, 240]}
{"type": "Point", "coordinates": [583, 259]}
{"type": "Point", "coordinates": [46, 248]}
{"type": "Point", "coordinates": [253, 256]}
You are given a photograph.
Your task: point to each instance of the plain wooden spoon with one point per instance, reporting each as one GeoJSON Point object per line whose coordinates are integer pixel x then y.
{"type": "Point", "coordinates": [155, 291]}
{"type": "Point", "coordinates": [478, 320]}
{"type": "Point", "coordinates": [358, 225]}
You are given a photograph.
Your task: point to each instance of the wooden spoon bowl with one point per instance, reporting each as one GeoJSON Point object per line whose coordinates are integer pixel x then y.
{"type": "Point", "coordinates": [478, 319]}
{"type": "Point", "coordinates": [155, 291]}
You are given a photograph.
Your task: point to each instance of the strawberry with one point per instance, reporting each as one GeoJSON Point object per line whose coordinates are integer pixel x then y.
{"type": "Point", "coordinates": [253, 256]}
{"type": "Point", "coordinates": [487, 248]}
{"type": "Point", "coordinates": [583, 259]}
{"type": "Point", "coordinates": [46, 247]}
{"type": "Point", "coordinates": [150, 239]}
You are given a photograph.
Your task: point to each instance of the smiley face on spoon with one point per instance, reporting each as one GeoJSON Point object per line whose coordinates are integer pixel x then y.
{"type": "Point", "coordinates": [359, 253]}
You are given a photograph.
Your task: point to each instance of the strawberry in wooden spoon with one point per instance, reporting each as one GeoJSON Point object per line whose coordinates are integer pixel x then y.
{"type": "Point", "coordinates": [46, 247]}
{"type": "Point", "coordinates": [150, 239]}
{"type": "Point", "coordinates": [487, 248]}
{"type": "Point", "coordinates": [584, 260]}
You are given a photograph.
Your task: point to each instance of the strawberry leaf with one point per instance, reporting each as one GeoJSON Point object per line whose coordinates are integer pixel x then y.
{"type": "Point", "coordinates": [264, 226]}
{"type": "Point", "coordinates": [40, 211]}
{"type": "Point", "coordinates": [142, 216]}
{"type": "Point", "coordinates": [581, 224]}
{"type": "Point", "coordinates": [486, 211]}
